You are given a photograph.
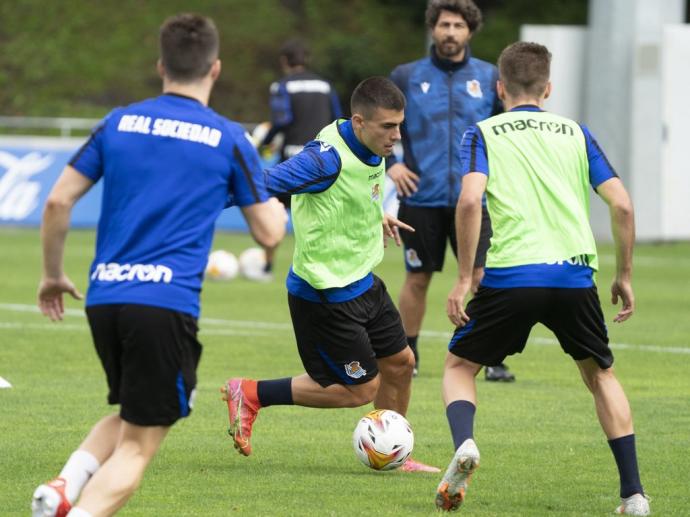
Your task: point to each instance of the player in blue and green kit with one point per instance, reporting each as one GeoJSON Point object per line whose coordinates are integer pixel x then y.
{"type": "Point", "coordinates": [536, 169]}
{"type": "Point", "coordinates": [349, 334]}
{"type": "Point", "coordinates": [168, 165]}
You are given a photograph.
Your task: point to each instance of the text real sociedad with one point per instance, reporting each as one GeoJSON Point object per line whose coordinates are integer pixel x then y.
{"type": "Point", "coordinates": [170, 128]}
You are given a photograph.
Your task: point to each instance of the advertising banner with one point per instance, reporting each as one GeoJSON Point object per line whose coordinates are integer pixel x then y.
{"type": "Point", "coordinates": [29, 166]}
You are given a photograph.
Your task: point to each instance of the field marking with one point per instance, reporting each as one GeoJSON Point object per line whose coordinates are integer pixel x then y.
{"type": "Point", "coordinates": [263, 328]}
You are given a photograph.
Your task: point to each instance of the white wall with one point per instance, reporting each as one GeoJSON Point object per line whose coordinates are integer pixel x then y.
{"type": "Point", "coordinates": [675, 151]}
{"type": "Point", "coordinates": [567, 44]}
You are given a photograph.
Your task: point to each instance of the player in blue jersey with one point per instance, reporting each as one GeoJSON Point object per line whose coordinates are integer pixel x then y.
{"type": "Point", "coordinates": [168, 165]}
{"type": "Point", "coordinates": [536, 169]}
{"type": "Point", "coordinates": [447, 92]}
{"type": "Point", "coordinates": [348, 331]}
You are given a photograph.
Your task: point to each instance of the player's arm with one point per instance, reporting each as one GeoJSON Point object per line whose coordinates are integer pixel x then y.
{"type": "Point", "coordinates": [616, 197]}
{"type": "Point", "coordinates": [610, 188]}
{"type": "Point", "coordinates": [266, 222]}
{"type": "Point", "coordinates": [468, 219]}
{"type": "Point", "coordinates": [69, 188]}
{"type": "Point", "coordinates": [404, 179]}
{"type": "Point", "coordinates": [314, 169]}
{"type": "Point", "coordinates": [265, 216]}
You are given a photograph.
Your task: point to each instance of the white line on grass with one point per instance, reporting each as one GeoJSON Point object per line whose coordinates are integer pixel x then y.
{"type": "Point", "coordinates": [84, 328]}
{"type": "Point", "coordinates": [266, 326]}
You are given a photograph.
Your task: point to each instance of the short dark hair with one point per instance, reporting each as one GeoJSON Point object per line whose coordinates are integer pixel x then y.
{"type": "Point", "coordinates": [524, 68]}
{"type": "Point", "coordinates": [188, 46]}
{"type": "Point", "coordinates": [465, 8]}
{"type": "Point", "coordinates": [296, 52]}
{"type": "Point", "coordinates": [376, 92]}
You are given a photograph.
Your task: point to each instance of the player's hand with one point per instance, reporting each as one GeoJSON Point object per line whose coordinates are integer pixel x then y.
{"type": "Point", "coordinates": [455, 306]}
{"type": "Point", "coordinates": [405, 180]}
{"type": "Point", "coordinates": [50, 293]}
{"type": "Point", "coordinates": [390, 229]}
{"type": "Point", "coordinates": [623, 289]}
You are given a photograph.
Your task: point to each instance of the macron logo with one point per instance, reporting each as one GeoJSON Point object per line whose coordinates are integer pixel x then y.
{"type": "Point", "coordinates": [114, 272]}
{"type": "Point", "coordinates": [324, 147]}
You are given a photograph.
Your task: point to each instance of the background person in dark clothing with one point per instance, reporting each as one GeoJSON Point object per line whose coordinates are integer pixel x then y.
{"type": "Point", "coordinates": [302, 103]}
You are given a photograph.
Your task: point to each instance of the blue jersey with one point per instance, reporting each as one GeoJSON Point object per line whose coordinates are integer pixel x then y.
{"type": "Point", "coordinates": [443, 99]}
{"type": "Point", "coordinates": [571, 272]}
{"type": "Point", "coordinates": [313, 170]}
{"type": "Point", "coordinates": [168, 165]}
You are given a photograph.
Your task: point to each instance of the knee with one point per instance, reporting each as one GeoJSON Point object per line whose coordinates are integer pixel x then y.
{"type": "Point", "coordinates": [458, 364]}
{"type": "Point", "coordinates": [418, 282]}
{"type": "Point", "coordinates": [399, 366]}
{"type": "Point", "coordinates": [596, 378]}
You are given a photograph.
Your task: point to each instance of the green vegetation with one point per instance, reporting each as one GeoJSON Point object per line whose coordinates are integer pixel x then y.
{"type": "Point", "coordinates": [542, 450]}
{"type": "Point", "coordinates": [80, 59]}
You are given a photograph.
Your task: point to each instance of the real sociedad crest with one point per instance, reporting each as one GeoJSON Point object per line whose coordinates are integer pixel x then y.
{"type": "Point", "coordinates": [355, 370]}
{"type": "Point", "coordinates": [375, 192]}
{"type": "Point", "coordinates": [474, 89]}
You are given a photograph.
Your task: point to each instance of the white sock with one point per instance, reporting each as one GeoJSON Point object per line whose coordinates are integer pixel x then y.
{"type": "Point", "coordinates": [79, 468]}
{"type": "Point", "coordinates": [78, 512]}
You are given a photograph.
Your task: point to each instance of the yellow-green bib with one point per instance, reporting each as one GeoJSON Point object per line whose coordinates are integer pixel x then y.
{"type": "Point", "coordinates": [338, 232]}
{"type": "Point", "coordinates": [538, 189]}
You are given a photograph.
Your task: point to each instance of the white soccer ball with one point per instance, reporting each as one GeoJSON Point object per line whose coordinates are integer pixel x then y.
{"type": "Point", "coordinates": [253, 263]}
{"type": "Point", "coordinates": [383, 439]}
{"type": "Point", "coordinates": [222, 265]}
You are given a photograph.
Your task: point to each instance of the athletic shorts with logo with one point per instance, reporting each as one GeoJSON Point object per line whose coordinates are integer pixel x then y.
{"type": "Point", "coordinates": [150, 355]}
{"type": "Point", "coordinates": [425, 248]}
{"type": "Point", "coordinates": [339, 343]}
{"type": "Point", "coordinates": [501, 320]}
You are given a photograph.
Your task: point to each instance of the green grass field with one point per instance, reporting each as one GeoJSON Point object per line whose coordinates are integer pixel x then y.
{"type": "Point", "coordinates": [543, 452]}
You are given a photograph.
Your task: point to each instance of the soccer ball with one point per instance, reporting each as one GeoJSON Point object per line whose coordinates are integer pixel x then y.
{"type": "Point", "coordinates": [221, 265]}
{"type": "Point", "coordinates": [383, 439]}
{"type": "Point", "coordinates": [253, 264]}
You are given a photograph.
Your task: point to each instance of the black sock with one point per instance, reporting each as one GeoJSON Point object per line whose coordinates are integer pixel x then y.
{"type": "Point", "coordinates": [460, 415]}
{"type": "Point", "coordinates": [268, 267]}
{"type": "Point", "coordinates": [412, 342]}
{"type": "Point", "coordinates": [623, 449]}
{"type": "Point", "coordinates": [276, 392]}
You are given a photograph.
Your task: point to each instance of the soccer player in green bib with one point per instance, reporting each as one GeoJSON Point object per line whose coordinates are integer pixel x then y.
{"type": "Point", "coordinates": [349, 334]}
{"type": "Point", "coordinates": [536, 169]}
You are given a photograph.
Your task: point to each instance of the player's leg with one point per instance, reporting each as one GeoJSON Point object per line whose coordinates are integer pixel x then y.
{"type": "Point", "coordinates": [388, 342]}
{"type": "Point", "coordinates": [499, 325]}
{"type": "Point", "coordinates": [499, 372]}
{"type": "Point", "coordinates": [394, 358]}
{"type": "Point", "coordinates": [578, 322]}
{"type": "Point", "coordinates": [118, 478]}
{"type": "Point", "coordinates": [396, 381]}
{"type": "Point", "coordinates": [412, 304]}
{"type": "Point", "coordinates": [424, 252]}
{"type": "Point", "coordinates": [58, 495]}
{"type": "Point", "coordinates": [615, 417]}
{"type": "Point", "coordinates": [460, 398]}
{"type": "Point", "coordinates": [341, 370]}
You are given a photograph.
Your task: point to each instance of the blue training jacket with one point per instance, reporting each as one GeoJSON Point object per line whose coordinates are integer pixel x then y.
{"type": "Point", "coordinates": [443, 99]}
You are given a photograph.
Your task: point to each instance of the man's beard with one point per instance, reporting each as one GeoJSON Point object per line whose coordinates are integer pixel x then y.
{"type": "Point", "coordinates": [449, 49]}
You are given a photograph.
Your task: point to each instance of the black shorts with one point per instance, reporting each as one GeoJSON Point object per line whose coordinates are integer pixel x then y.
{"type": "Point", "coordinates": [501, 320]}
{"type": "Point", "coordinates": [339, 343]}
{"type": "Point", "coordinates": [425, 248]}
{"type": "Point", "coordinates": [150, 356]}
